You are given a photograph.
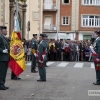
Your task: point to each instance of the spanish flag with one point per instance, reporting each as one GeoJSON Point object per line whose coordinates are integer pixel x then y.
{"type": "Point", "coordinates": [17, 56]}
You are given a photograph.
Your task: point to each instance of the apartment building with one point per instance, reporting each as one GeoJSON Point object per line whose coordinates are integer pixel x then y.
{"type": "Point", "coordinates": [51, 18]}
{"type": "Point", "coordinates": [71, 19]}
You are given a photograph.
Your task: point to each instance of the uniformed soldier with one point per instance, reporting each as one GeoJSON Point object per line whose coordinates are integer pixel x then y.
{"type": "Point", "coordinates": [46, 60]}
{"type": "Point", "coordinates": [41, 58]}
{"type": "Point", "coordinates": [34, 46]}
{"type": "Point", "coordinates": [4, 55]}
{"type": "Point", "coordinates": [96, 46]}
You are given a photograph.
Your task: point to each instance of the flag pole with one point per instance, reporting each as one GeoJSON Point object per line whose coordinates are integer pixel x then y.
{"type": "Point", "coordinates": [16, 8]}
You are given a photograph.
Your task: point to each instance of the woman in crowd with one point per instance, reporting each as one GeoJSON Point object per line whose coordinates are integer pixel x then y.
{"type": "Point", "coordinates": [52, 50]}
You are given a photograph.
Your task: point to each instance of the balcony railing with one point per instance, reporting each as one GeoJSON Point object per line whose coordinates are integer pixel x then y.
{"type": "Point", "coordinates": [49, 28]}
{"type": "Point", "coordinates": [50, 7]}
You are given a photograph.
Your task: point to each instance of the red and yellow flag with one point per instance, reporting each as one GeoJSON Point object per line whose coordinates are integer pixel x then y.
{"type": "Point", "coordinates": [17, 56]}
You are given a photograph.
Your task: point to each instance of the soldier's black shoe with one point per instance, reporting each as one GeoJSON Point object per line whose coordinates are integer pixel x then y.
{"type": "Point", "coordinates": [2, 88]}
{"type": "Point", "coordinates": [16, 78]}
{"type": "Point", "coordinates": [6, 87]}
{"type": "Point", "coordinates": [34, 71]}
{"type": "Point", "coordinates": [96, 83]}
{"type": "Point", "coordinates": [46, 66]}
{"type": "Point", "coordinates": [41, 80]}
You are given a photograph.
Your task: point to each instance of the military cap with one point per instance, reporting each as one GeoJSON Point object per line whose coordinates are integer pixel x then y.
{"type": "Point", "coordinates": [34, 34]}
{"type": "Point", "coordinates": [97, 32]}
{"type": "Point", "coordinates": [42, 35]}
{"type": "Point", "coordinates": [46, 35]}
{"type": "Point", "coordinates": [3, 27]}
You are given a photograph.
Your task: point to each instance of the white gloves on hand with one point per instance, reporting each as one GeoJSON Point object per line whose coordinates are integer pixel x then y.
{"type": "Point", "coordinates": [35, 55]}
{"type": "Point", "coordinates": [5, 51]}
{"type": "Point", "coordinates": [91, 47]}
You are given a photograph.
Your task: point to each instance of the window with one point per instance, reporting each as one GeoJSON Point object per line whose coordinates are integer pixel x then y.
{"type": "Point", "coordinates": [86, 37]}
{"type": "Point", "coordinates": [65, 21]}
{"type": "Point", "coordinates": [65, 1]}
{"type": "Point", "coordinates": [91, 2]}
{"type": "Point", "coordinates": [90, 21]}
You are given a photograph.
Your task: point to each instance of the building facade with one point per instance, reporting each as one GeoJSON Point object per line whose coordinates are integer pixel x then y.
{"type": "Point", "coordinates": [7, 12]}
{"type": "Point", "coordinates": [71, 19]}
{"type": "Point", "coordinates": [4, 13]}
{"type": "Point", "coordinates": [64, 19]}
{"type": "Point", "coordinates": [34, 16]}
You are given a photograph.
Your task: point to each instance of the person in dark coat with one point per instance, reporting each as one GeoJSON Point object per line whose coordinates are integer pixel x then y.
{"type": "Point", "coordinates": [72, 47]}
{"type": "Point", "coordinates": [58, 49]}
{"type": "Point", "coordinates": [4, 55]}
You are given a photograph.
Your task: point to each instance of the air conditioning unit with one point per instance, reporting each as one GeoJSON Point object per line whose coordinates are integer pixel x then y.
{"type": "Point", "coordinates": [54, 28]}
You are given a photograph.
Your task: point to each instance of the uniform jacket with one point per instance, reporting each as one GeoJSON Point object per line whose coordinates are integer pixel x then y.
{"type": "Point", "coordinates": [96, 46]}
{"type": "Point", "coordinates": [4, 44]}
{"type": "Point", "coordinates": [42, 49]}
{"type": "Point", "coordinates": [72, 46]}
{"type": "Point", "coordinates": [58, 45]}
{"type": "Point", "coordinates": [34, 45]}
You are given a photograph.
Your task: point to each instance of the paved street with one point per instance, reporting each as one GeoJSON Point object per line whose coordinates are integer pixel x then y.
{"type": "Point", "coordinates": [65, 81]}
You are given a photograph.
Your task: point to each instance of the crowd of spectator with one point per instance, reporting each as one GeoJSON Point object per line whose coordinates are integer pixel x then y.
{"type": "Point", "coordinates": [64, 50]}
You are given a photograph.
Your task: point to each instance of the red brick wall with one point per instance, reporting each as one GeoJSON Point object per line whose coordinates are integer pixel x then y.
{"type": "Point", "coordinates": [65, 10]}
{"type": "Point", "coordinates": [87, 10]}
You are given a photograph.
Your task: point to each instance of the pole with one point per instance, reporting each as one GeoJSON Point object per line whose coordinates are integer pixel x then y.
{"type": "Point", "coordinates": [16, 8]}
{"type": "Point", "coordinates": [40, 19]}
{"type": "Point", "coordinates": [57, 18]}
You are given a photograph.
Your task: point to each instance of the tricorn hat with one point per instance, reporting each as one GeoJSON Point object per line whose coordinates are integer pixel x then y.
{"type": "Point", "coordinates": [42, 35]}
{"type": "Point", "coordinates": [34, 34]}
{"type": "Point", "coordinates": [3, 27]}
{"type": "Point", "coordinates": [45, 35]}
{"type": "Point", "coordinates": [97, 32]}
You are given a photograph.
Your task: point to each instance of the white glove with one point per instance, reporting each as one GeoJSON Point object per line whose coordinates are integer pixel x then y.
{"type": "Point", "coordinates": [5, 51]}
{"type": "Point", "coordinates": [91, 47]}
{"type": "Point", "coordinates": [35, 55]}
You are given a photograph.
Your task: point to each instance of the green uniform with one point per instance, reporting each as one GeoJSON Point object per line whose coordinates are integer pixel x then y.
{"type": "Point", "coordinates": [46, 57]}
{"type": "Point", "coordinates": [4, 59]}
{"type": "Point", "coordinates": [34, 46]}
{"type": "Point", "coordinates": [96, 46]}
{"type": "Point", "coordinates": [42, 58]}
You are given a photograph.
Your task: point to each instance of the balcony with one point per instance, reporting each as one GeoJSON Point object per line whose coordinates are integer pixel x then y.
{"type": "Point", "coordinates": [49, 28]}
{"type": "Point", "coordinates": [50, 7]}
